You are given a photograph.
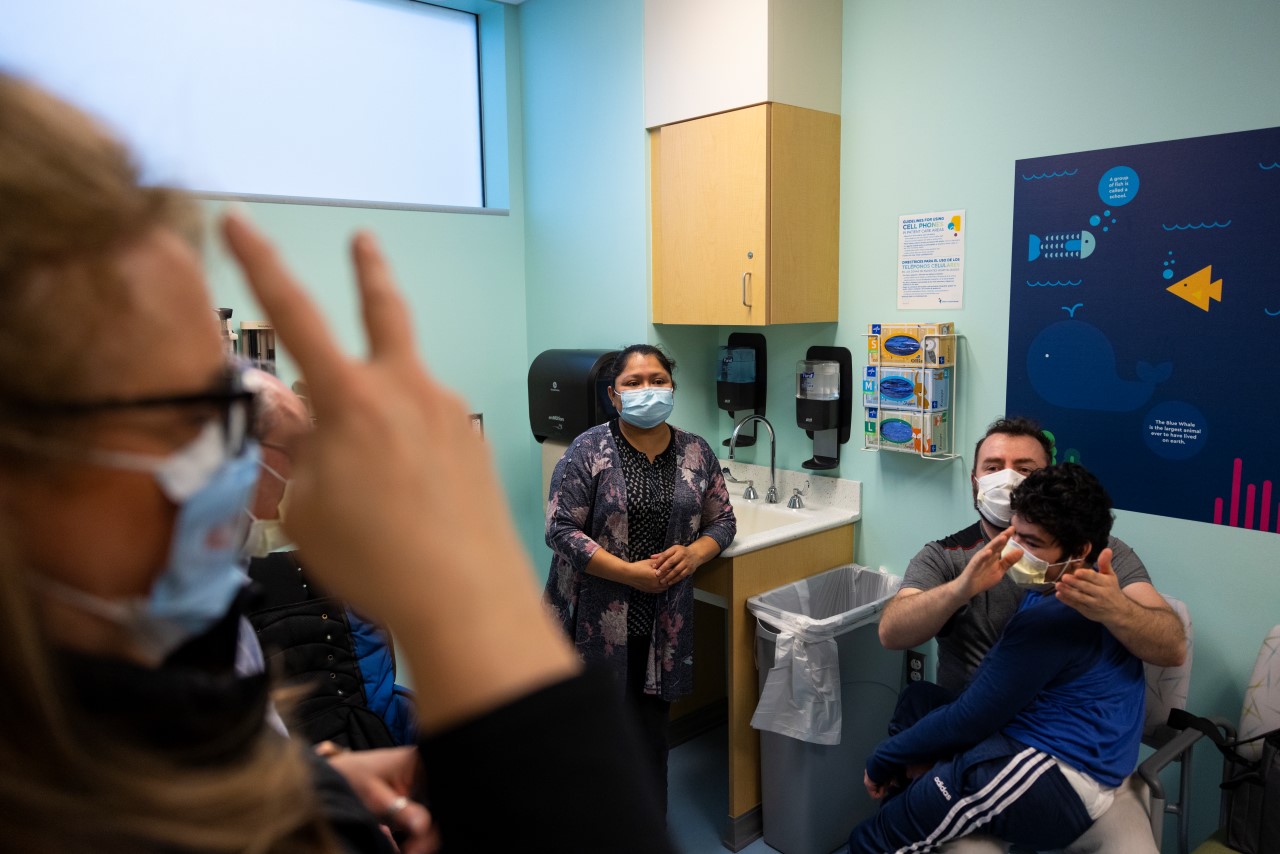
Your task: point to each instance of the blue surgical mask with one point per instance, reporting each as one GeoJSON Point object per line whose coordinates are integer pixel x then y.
{"type": "Point", "coordinates": [646, 407]}
{"type": "Point", "coordinates": [203, 573]}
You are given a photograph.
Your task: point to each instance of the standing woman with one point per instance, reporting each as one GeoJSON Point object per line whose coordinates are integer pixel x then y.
{"type": "Point", "coordinates": [636, 506]}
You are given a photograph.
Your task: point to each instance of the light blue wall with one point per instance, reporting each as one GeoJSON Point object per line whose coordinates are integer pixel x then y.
{"type": "Point", "coordinates": [936, 111]}
{"type": "Point", "coordinates": [586, 191]}
{"type": "Point", "coordinates": [938, 102]}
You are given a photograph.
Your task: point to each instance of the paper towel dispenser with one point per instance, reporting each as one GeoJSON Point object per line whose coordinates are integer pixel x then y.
{"type": "Point", "coordinates": [568, 392]}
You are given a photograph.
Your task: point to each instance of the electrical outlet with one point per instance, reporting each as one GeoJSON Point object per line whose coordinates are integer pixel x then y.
{"type": "Point", "coordinates": [913, 667]}
{"type": "Point", "coordinates": [477, 422]}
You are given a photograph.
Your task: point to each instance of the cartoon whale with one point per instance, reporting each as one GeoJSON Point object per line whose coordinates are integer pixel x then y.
{"type": "Point", "coordinates": [1072, 364]}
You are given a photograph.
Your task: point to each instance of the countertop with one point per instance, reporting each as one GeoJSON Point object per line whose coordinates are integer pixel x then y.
{"type": "Point", "coordinates": [829, 503]}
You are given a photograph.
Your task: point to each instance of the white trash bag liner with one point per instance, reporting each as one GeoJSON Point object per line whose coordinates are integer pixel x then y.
{"type": "Point", "coordinates": [801, 696]}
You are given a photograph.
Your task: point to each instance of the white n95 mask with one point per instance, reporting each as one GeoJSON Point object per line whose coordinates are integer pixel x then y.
{"type": "Point", "coordinates": [1030, 571]}
{"type": "Point", "coordinates": [994, 491]}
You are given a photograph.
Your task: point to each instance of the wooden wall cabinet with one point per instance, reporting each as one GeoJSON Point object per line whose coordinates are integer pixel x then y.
{"type": "Point", "coordinates": [746, 217]}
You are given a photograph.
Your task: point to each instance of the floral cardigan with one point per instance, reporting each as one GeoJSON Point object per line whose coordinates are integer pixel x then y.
{"type": "Point", "coordinates": [586, 511]}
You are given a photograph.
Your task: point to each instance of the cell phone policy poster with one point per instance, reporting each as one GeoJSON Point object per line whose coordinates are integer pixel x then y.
{"type": "Point", "coordinates": [1144, 321]}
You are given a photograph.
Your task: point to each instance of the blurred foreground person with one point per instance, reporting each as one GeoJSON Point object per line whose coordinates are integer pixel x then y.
{"type": "Point", "coordinates": [128, 455]}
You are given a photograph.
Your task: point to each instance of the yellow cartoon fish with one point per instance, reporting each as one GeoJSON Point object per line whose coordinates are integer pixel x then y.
{"type": "Point", "coordinates": [1198, 288]}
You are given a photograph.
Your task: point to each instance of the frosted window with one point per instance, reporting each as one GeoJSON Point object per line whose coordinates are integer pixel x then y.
{"type": "Point", "coordinates": [372, 101]}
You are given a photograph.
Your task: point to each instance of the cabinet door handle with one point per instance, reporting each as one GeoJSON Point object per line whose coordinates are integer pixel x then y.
{"type": "Point", "coordinates": [746, 277]}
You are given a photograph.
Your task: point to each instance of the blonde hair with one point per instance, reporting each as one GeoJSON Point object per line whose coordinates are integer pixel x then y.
{"type": "Point", "coordinates": [69, 201]}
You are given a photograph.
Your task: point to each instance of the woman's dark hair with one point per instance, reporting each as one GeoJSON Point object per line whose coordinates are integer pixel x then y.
{"type": "Point", "coordinates": [1070, 504]}
{"type": "Point", "coordinates": [620, 361]}
{"type": "Point", "coordinates": [1017, 426]}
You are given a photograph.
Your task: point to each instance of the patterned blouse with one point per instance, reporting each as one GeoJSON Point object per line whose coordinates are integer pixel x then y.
{"type": "Point", "coordinates": [588, 509]}
{"type": "Point", "coordinates": [649, 489]}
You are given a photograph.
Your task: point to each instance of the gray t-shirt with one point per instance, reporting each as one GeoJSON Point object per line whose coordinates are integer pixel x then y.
{"type": "Point", "coordinates": [963, 641]}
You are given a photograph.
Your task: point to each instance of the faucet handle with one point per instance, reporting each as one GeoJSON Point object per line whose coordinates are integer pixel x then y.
{"type": "Point", "coordinates": [749, 493]}
{"type": "Point", "coordinates": [796, 502]}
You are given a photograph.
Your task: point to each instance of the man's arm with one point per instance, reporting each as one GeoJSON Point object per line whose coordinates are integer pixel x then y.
{"type": "Point", "coordinates": [1136, 615]}
{"type": "Point", "coordinates": [1030, 654]}
{"type": "Point", "coordinates": [914, 616]}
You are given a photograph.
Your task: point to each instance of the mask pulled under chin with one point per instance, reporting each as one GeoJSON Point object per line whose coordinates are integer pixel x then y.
{"type": "Point", "coordinates": [995, 491]}
{"type": "Point", "coordinates": [153, 638]}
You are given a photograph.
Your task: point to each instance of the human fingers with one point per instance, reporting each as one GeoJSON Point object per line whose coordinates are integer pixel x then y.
{"type": "Point", "coordinates": [1000, 540]}
{"type": "Point", "coordinates": [327, 749]}
{"type": "Point", "coordinates": [386, 317]}
{"type": "Point", "coordinates": [1087, 591]}
{"type": "Point", "coordinates": [1104, 562]}
{"type": "Point", "coordinates": [411, 826]}
{"type": "Point", "coordinates": [378, 775]}
{"type": "Point", "coordinates": [990, 554]}
{"type": "Point", "coordinates": [296, 318]}
{"type": "Point", "coordinates": [985, 569]}
{"type": "Point", "coordinates": [382, 780]}
{"type": "Point", "coordinates": [1082, 580]}
{"type": "Point", "coordinates": [1004, 555]}
{"type": "Point", "coordinates": [874, 789]}
{"type": "Point", "coordinates": [665, 560]}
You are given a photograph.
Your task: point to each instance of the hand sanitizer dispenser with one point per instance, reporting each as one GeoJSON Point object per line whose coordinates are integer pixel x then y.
{"type": "Point", "coordinates": [823, 406]}
{"type": "Point", "coordinates": [741, 379]}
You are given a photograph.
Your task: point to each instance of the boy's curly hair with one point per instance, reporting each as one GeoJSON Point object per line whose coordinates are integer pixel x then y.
{"type": "Point", "coordinates": [1070, 504]}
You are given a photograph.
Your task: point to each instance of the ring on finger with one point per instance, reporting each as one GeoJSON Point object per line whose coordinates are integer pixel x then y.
{"type": "Point", "coordinates": [396, 806]}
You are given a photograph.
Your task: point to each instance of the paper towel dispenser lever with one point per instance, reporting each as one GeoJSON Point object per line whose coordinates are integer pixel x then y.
{"type": "Point", "coordinates": [568, 392]}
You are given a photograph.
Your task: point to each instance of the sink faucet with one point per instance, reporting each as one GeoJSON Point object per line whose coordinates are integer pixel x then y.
{"type": "Point", "coordinates": [772, 495]}
{"type": "Point", "coordinates": [749, 493]}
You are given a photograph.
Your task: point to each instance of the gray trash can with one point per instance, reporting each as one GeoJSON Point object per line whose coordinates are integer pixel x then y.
{"type": "Point", "coordinates": [812, 793]}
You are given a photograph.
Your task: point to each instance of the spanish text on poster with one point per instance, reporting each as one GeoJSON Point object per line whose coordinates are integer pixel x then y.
{"type": "Point", "coordinates": [931, 260]}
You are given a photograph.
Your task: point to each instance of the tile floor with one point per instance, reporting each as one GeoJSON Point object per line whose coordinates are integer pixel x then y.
{"type": "Point", "coordinates": [698, 795]}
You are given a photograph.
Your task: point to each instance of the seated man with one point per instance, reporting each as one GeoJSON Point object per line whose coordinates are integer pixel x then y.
{"type": "Point", "coordinates": [1034, 748]}
{"type": "Point", "coordinates": [343, 663]}
{"type": "Point", "coordinates": [943, 596]}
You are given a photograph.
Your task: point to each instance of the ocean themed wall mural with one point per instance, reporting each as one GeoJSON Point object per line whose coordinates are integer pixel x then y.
{"type": "Point", "coordinates": [1144, 321]}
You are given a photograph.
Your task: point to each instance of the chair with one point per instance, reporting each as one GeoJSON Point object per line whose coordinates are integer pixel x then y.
{"type": "Point", "coordinates": [1167, 688]}
{"type": "Point", "coordinates": [1260, 714]}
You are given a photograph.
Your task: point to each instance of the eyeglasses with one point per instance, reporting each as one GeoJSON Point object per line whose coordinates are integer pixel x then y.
{"type": "Point", "coordinates": [231, 402]}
